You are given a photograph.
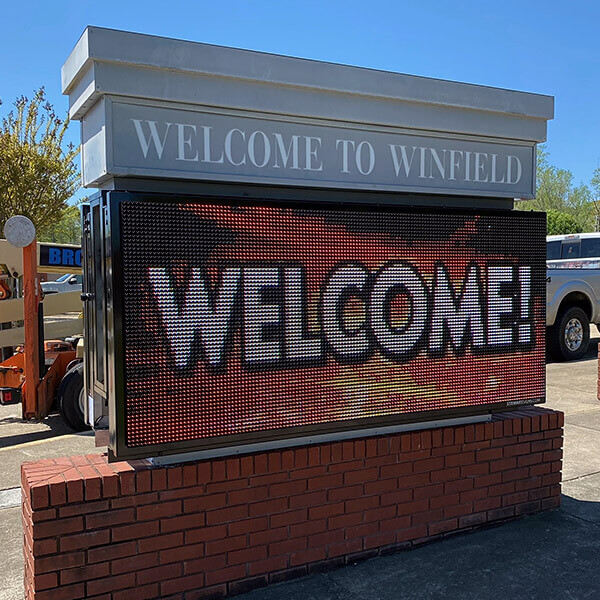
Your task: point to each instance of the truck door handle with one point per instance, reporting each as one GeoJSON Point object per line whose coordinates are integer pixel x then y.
{"type": "Point", "coordinates": [548, 279]}
{"type": "Point", "coordinates": [87, 297]}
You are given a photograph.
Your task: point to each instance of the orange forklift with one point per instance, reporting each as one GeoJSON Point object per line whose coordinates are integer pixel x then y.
{"type": "Point", "coordinates": [40, 372]}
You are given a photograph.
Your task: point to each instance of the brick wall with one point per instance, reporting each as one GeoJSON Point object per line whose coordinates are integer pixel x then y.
{"type": "Point", "coordinates": [223, 526]}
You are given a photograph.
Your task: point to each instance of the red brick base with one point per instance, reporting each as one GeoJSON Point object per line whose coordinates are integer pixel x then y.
{"type": "Point", "coordinates": [224, 526]}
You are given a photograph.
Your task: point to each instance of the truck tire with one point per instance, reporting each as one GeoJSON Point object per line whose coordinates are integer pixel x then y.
{"type": "Point", "coordinates": [569, 337]}
{"type": "Point", "coordinates": [70, 398]}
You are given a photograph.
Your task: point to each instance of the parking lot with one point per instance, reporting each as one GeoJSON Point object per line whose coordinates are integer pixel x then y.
{"type": "Point", "coordinates": [551, 555]}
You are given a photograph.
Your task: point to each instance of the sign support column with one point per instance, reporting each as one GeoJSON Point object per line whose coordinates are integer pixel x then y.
{"type": "Point", "coordinates": [20, 232]}
{"type": "Point", "coordinates": [31, 300]}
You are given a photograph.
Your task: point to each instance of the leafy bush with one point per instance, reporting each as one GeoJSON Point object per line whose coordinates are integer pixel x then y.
{"type": "Point", "coordinates": [561, 223]}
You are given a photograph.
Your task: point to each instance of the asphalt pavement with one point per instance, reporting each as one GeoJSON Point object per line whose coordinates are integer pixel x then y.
{"type": "Point", "coordinates": [554, 555]}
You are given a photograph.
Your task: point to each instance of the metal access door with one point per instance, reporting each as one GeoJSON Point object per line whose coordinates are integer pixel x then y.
{"type": "Point", "coordinates": [93, 264]}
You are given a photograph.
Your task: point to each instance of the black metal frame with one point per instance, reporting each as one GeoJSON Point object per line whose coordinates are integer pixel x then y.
{"type": "Point", "coordinates": [118, 450]}
{"type": "Point", "coordinates": [93, 268]}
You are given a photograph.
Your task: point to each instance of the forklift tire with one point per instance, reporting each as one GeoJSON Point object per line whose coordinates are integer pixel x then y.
{"type": "Point", "coordinates": [70, 398]}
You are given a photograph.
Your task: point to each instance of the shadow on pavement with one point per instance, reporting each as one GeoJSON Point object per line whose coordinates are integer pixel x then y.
{"type": "Point", "coordinates": [582, 509]}
{"type": "Point", "coordinates": [591, 354]}
{"type": "Point", "coordinates": [54, 426]}
{"type": "Point", "coordinates": [553, 555]}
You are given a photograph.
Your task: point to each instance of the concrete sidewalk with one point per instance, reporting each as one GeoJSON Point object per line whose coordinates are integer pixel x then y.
{"type": "Point", "coordinates": [22, 442]}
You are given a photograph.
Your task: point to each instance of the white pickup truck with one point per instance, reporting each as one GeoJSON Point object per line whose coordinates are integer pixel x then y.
{"type": "Point", "coordinates": [572, 293]}
{"type": "Point", "coordinates": [65, 283]}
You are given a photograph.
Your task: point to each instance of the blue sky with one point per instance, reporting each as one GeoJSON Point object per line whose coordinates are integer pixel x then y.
{"type": "Point", "coordinates": [548, 47]}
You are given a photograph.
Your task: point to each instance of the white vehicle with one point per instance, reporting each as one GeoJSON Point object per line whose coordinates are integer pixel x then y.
{"type": "Point", "coordinates": [65, 283]}
{"type": "Point", "coordinates": [572, 293]}
{"type": "Point", "coordinates": [573, 251]}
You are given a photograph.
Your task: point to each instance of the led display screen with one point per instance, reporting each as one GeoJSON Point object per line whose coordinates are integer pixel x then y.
{"type": "Point", "coordinates": [243, 323]}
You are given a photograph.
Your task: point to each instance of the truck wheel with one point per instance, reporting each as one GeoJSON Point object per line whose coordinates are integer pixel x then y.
{"type": "Point", "coordinates": [71, 398]}
{"type": "Point", "coordinates": [569, 337]}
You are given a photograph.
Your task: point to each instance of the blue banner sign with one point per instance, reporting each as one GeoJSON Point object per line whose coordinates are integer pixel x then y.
{"type": "Point", "coordinates": [54, 255]}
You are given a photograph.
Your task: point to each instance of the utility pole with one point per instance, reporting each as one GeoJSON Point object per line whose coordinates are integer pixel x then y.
{"type": "Point", "coordinates": [20, 232]}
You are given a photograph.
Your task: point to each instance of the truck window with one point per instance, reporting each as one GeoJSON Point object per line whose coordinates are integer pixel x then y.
{"type": "Point", "coordinates": [570, 249]}
{"type": "Point", "coordinates": [590, 248]}
{"type": "Point", "coordinates": [553, 250]}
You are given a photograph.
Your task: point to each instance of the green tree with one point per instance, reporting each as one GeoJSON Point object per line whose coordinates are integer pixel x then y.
{"type": "Point", "coordinates": [37, 176]}
{"type": "Point", "coordinates": [561, 223]}
{"type": "Point", "coordinates": [595, 183]}
{"type": "Point", "coordinates": [555, 192]}
{"type": "Point", "coordinates": [553, 184]}
{"type": "Point", "coordinates": [580, 203]}
{"type": "Point", "coordinates": [67, 230]}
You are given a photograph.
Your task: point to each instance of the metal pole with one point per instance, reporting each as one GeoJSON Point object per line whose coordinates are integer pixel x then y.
{"type": "Point", "coordinates": [31, 299]}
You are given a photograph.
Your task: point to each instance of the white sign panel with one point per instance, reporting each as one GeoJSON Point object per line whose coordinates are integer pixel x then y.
{"type": "Point", "coordinates": [153, 141]}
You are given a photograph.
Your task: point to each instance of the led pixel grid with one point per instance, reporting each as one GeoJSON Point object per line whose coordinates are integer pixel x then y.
{"type": "Point", "coordinates": [243, 320]}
